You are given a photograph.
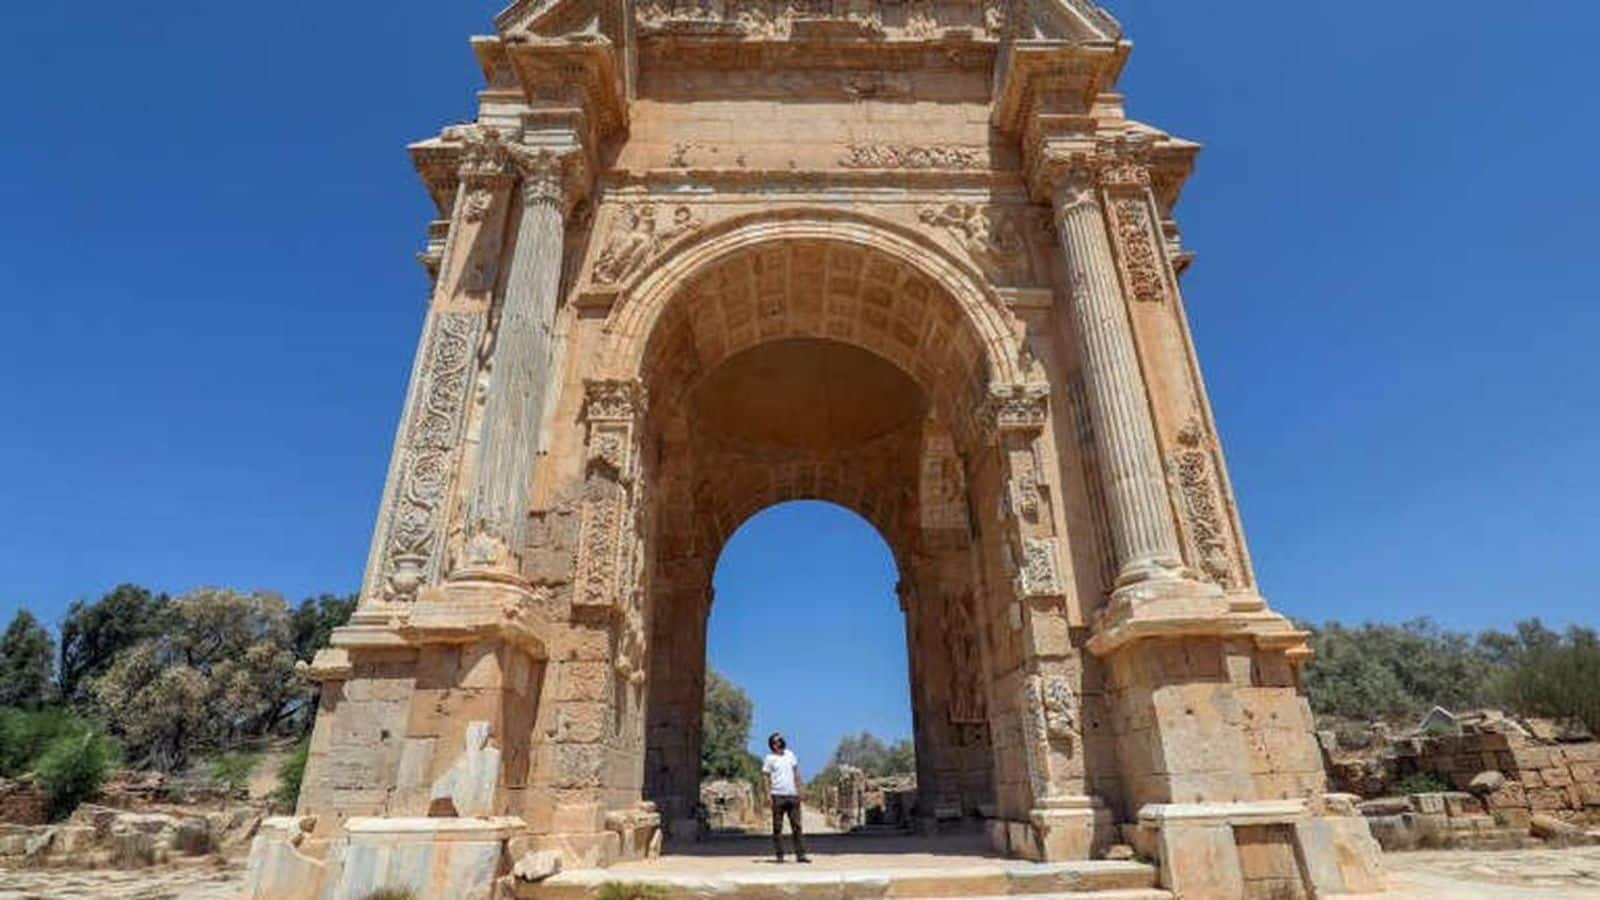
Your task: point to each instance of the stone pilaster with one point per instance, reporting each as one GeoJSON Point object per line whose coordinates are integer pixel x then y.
{"type": "Point", "coordinates": [408, 542]}
{"type": "Point", "coordinates": [519, 374]}
{"type": "Point", "coordinates": [1142, 529]}
{"type": "Point", "coordinates": [1064, 822]}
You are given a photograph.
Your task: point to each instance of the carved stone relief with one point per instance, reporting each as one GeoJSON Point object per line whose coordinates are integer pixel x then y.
{"type": "Point", "coordinates": [813, 19]}
{"type": "Point", "coordinates": [910, 156]}
{"type": "Point", "coordinates": [995, 237]}
{"type": "Point", "coordinates": [635, 236]}
{"type": "Point", "coordinates": [1037, 576]}
{"type": "Point", "coordinates": [1192, 470]}
{"type": "Point", "coordinates": [967, 705]}
{"type": "Point", "coordinates": [428, 456]}
{"type": "Point", "coordinates": [608, 532]}
{"type": "Point", "coordinates": [1136, 246]}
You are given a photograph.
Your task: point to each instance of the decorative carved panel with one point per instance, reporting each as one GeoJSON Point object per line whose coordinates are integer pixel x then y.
{"type": "Point", "coordinates": [1192, 470]}
{"type": "Point", "coordinates": [1142, 270]}
{"type": "Point", "coordinates": [429, 452]}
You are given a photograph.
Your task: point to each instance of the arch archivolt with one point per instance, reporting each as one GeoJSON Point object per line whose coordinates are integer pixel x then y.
{"type": "Point", "coordinates": [817, 273]}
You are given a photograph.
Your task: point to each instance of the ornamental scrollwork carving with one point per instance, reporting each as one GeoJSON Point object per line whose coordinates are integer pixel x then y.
{"type": "Point", "coordinates": [907, 156]}
{"type": "Point", "coordinates": [1192, 470]}
{"type": "Point", "coordinates": [636, 236]}
{"type": "Point", "coordinates": [1136, 243]}
{"type": "Point", "coordinates": [607, 545]}
{"type": "Point", "coordinates": [428, 456]}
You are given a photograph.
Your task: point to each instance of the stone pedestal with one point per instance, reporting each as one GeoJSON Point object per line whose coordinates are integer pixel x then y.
{"type": "Point", "coordinates": [1260, 849]}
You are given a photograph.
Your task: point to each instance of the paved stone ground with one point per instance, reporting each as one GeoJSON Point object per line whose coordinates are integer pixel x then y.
{"type": "Point", "coordinates": [1480, 875]}
{"type": "Point", "coordinates": [197, 882]}
{"type": "Point", "coordinates": [1429, 875]}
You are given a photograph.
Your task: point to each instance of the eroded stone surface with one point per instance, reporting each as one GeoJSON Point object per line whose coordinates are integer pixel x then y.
{"type": "Point", "coordinates": [716, 258]}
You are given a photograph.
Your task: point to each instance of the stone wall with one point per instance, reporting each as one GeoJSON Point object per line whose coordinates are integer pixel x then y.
{"type": "Point", "coordinates": [23, 802]}
{"type": "Point", "coordinates": [1519, 767]}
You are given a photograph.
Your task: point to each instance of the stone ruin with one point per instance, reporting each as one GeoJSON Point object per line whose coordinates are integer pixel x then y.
{"type": "Point", "coordinates": [732, 806]}
{"type": "Point", "coordinates": [1512, 777]}
{"type": "Point", "coordinates": [693, 260]}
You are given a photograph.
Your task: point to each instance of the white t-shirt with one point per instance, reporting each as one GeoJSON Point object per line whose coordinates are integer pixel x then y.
{"type": "Point", "coordinates": [780, 768]}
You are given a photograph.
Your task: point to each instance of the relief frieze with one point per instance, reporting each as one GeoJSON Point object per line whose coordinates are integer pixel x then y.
{"type": "Point", "coordinates": [999, 239]}
{"type": "Point", "coordinates": [637, 233]}
{"type": "Point", "coordinates": [908, 156]}
{"type": "Point", "coordinates": [822, 19]}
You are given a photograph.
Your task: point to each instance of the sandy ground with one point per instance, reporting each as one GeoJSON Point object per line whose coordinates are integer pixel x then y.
{"type": "Point", "coordinates": [206, 881]}
{"type": "Point", "coordinates": [1431, 875]}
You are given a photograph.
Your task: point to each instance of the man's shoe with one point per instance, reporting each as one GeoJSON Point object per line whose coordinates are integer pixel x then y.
{"type": "Point", "coordinates": [778, 860]}
{"type": "Point", "coordinates": [804, 859]}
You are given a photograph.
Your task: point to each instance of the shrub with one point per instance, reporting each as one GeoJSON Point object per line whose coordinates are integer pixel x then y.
{"type": "Point", "coordinates": [24, 735]}
{"type": "Point", "coordinates": [390, 894]}
{"type": "Point", "coordinates": [73, 767]}
{"type": "Point", "coordinates": [233, 770]}
{"type": "Point", "coordinates": [627, 890]}
{"type": "Point", "coordinates": [1421, 783]}
{"type": "Point", "coordinates": [289, 775]}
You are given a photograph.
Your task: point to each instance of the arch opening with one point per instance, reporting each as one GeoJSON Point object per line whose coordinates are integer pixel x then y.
{"type": "Point", "coordinates": [823, 371]}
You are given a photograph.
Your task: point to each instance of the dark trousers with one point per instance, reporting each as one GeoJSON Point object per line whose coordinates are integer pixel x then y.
{"type": "Point", "coordinates": [790, 806]}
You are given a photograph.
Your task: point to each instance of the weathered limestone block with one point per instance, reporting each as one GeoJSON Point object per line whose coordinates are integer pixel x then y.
{"type": "Point", "coordinates": [278, 870]}
{"type": "Point", "coordinates": [1200, 860]}
{"type": "Point", "coordinates": [468, 788]}
{"type": "Point", "coordinates": [1341, 855]}
{"type": "Point", "coordinates": [433, 859]}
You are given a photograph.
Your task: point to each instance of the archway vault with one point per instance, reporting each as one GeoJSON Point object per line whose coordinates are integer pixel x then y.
{"type": "Point", "coordinates": [901, 347]}
{"type": "Point", "coordinates": [816, 273]}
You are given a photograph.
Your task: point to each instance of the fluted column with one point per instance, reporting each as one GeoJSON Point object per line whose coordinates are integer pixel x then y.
{"type": "Point", "coordinates": [1142, 529]}
{"type": "Point", "coordinates": [519, 374]}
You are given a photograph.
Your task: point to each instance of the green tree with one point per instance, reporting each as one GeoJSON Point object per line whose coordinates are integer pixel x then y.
{"type": "Point", "coordinates": [222, 668]}
{"type": "Point", "coordinates": [92, 634]}
{"type": "Point", "coordinates": [1394, 671]}
{"type": "Point", "coordinates": [868, 752]}
{"type": "Point", "coordinates": [725, 731]}
{"type": "Point", "coordinates": [67, 752]}
{"type": "Point", "coordinates": [26, 651]}
{"type": "Point", "coordinates": [1545, 673]}
{"type": "Point", "coordinates": [313, 621]}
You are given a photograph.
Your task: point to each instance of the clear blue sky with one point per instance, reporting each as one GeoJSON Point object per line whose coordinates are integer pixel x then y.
{"type": "Point", "coordinates": [207, 222]}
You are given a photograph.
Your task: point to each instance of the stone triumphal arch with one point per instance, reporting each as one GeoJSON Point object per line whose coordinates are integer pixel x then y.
{"type": "Point", "coordinates": [696, 258]}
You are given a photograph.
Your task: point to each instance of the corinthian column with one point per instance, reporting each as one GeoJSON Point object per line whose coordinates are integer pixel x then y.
{"type": "Point", "coordinates": [519, 373]}
{"type": "Point", "coordinates": [1142, 529]}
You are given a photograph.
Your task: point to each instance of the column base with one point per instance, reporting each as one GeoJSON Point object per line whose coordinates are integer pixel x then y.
{"type": "Point", "coordinates": [1061, 829]}
{"type": "Point", "coordinates": [474, 609]}
{"type": "Point", "coordinates": [1186, 608]}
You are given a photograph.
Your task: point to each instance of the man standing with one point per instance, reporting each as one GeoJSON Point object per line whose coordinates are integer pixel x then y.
{"type": "Point", "coordinates": [782, 773]}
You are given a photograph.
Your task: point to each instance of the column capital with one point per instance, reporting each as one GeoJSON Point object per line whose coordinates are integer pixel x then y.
{"type": "Point", "coordinates": [487, 160]}
{"type": "Point", "coordinates": [613, 399]}
{"type": "Point", "coordinates": [550, 174]}
{"type": "Point", "coordinates": [1015, 408]}
{"type": "Point", "coordinates": [1073, 172]}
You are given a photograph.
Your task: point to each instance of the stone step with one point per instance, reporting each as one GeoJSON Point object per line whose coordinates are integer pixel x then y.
{"type": "Point", "coordinates": [1036, 881]}
{"type": "Point", "coordinates": [1122, 894]}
